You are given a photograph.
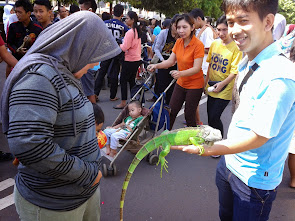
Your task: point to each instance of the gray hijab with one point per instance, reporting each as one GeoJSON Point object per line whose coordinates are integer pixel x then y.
{"type": "Point", "coordinates": [67, 46]}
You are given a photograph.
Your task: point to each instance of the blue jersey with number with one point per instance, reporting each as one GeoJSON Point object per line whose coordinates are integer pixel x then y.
{"type": "Point", "coordinates": [117, 27]}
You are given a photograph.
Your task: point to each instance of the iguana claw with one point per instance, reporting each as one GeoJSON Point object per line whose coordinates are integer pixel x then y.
{"type": "Point", "coordinates": [162, 160]}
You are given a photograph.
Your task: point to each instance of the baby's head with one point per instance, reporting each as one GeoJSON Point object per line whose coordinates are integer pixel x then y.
{"type": "Point", "coordinates": [98, 116]}
{"type": "Point", "coordinates": [134, 108]}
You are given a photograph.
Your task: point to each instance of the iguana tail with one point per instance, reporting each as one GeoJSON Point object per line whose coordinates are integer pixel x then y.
{"type": "Point", "coordinates": [144, 151]}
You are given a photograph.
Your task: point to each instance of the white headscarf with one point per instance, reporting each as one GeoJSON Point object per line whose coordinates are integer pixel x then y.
{"type": "Point", "coordinates": [6, 14]}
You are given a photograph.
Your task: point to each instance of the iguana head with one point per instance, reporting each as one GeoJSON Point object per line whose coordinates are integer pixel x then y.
{"type": "Point", "coordinates": [209, 134]}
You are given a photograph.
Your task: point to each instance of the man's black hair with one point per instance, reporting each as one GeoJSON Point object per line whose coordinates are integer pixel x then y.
{"type": "Point", "coordinates": [74, 8]}
{"type": "Point", "coordinates": [89, 4]}
{"type": "Point", "coordinates": [173, 20]}
{"type": "Point", "coordinates": [157, 23]}
{"type": "Point", "coordinates": [106, 16]}
{"type": "Point", "coordinates": [197, 12]}
{"type": "Point", "coordinates": [59, 7]}
{"type": "Point", "coordinates": [208, 19]}
{"type": "Point", "coordinates": [98, 114]}
{"type": "Point", "coordinates": [118, 10]}
{"type": "Point", "coordinates": [26, 4]}
{"type": "Point", "coordinates": [221, 20]}
{"type": "Point", "coordinates": [55, 14]}
{"type": "Point", "coordinates": [262, 7]}
{"type": "Point", "coordinates": [166, 23]}
{"type": "Point", "coordinates": [46, 3]}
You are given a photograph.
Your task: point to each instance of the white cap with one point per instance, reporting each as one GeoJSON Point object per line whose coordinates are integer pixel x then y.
{"type": "Point", "coordinates": [140, 16]}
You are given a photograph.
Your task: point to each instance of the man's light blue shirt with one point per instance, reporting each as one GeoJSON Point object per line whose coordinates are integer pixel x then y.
{"type": "Point", "coordinates": [266, 108]}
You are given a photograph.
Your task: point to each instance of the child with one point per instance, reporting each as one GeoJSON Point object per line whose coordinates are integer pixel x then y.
{"type": "Point", "coordinates": [123, 129]}
{"type": "Point", "coordinates": [98, 116]}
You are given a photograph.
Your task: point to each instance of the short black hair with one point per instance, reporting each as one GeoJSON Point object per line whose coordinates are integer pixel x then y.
{"type": "Point", "coordinates": [208, 19]}
{"type": "Point", "coordinates": [46, 3]}
{"type": "Point", "coordinates": [221, 20]}
{"type": "Point", "coordinates": [59, 7]}
{"type": "Point", "coordinates": [166, 23]}
{"type": "Point", "coordinates": [262, 7]}
{"type": "Point", "coordinates": [157, 23]}
{"type": "Point", "coordinates": [98, 114]}
{"type": "Point", "coordinates": [292, 52]}
{"type": "Point", "coordinates": [26, 4]}
{"type": "Point", "coordinates": [89, 4]}
{"type": "Point", "coordinates": [197, 12]}
{"type": "Point", "coordinates": [74, 8]}
{"type": "Point", "coordinates": [106, 16]}
{"type": "Point", "coordinates": [173, 20]}
{"type": "Point", "coordinates": [118, 10]}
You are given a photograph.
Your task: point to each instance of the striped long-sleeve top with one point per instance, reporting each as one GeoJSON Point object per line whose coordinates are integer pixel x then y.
{"type": "Point", "coordinates": [57, 168]}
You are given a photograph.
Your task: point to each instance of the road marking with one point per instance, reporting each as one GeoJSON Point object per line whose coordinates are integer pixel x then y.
{"type": "Point", "coordinates": [6, 183]}
{"type": "Point", "coordinates": [181, 112]}
{"type": "Point", "coordinates": [6, 201]}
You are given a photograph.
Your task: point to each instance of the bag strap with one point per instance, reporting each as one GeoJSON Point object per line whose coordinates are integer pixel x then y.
{"type": "Point", "coordinates": [248, 75]}
{"type": "Point", "coordinates": [250, 72]}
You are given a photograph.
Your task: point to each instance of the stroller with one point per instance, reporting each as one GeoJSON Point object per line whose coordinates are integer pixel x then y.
{"type": "Point", "coordinates": [154, 119]}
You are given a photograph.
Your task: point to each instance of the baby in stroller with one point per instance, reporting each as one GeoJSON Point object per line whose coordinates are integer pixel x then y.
{"type": "Point", "coordinates": [122, 130]}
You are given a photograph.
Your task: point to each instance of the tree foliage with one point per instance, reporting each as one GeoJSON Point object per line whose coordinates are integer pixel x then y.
{"type": "Point", "coordinates": [171, 7]}
{"type": "Point", "coordinates": [287, 8]}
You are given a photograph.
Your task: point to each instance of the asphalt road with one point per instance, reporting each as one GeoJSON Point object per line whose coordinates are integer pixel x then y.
{"type": "Point", "coordinates": [187, 192]}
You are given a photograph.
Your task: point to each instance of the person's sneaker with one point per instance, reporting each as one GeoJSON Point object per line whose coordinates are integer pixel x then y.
{"type": "Point", "coordinates": [215, 156]}
{"type": "Point", "coordinates": [5, 156]}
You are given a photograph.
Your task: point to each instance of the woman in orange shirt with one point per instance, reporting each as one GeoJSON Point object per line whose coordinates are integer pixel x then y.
{"type": "Point", "coordinates": [188, 52]}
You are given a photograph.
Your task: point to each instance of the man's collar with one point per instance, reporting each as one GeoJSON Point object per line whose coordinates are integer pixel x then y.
{"type": "Point", "coordinates": [268, 52]}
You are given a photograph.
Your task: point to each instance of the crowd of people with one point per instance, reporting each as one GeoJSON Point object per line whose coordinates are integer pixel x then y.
{"type": "Point", "coordinates": [56, 68]}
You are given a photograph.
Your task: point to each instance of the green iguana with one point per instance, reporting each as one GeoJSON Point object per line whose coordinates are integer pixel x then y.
{"type": "Point", "coordinates": [180, 137]}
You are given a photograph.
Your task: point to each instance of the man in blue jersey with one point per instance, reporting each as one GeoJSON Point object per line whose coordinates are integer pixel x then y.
{"type": "Point", "coordinates": [112, 66]}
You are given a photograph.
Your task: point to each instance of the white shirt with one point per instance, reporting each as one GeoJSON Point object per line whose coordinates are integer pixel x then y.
{"type": "Point", "coordinates": [207, 37]}
{"type": "Point", "coordinates": [279, 26]}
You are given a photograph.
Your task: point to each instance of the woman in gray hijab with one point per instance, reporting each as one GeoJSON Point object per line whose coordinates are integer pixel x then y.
{"type": "Point", "coordinates": [50, 124]}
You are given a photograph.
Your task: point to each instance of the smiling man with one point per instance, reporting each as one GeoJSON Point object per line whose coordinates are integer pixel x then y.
{"type": "Point", "coordinates": [263, 124]}
{"type": "Point", "coordinates": [43, 11]}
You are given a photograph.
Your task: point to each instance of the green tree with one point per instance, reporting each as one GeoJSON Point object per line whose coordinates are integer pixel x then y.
{"type": "Point", "coordinates": [287, 8]}
{"type": "Point", "coordinates": [170, 7]}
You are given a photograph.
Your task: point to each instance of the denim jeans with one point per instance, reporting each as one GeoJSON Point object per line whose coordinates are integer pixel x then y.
{"type": "Point", "coordinates": [239, 202]}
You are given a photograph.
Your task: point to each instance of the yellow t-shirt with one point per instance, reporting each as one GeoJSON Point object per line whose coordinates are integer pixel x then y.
{"type": "Point", "coordinates": [224, 60]}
